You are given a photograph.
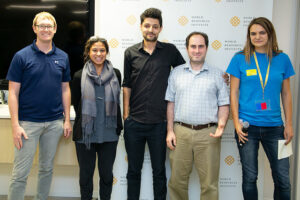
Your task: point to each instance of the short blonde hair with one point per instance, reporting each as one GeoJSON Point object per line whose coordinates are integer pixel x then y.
{"type": "Point", "coordinates": [43, 15]}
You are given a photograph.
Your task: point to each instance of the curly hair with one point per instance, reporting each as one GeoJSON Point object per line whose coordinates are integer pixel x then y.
{"type": "Point", "coordinates": [152, 13]}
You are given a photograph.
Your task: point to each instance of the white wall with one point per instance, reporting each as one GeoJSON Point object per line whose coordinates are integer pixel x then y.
{"type": "Point", "coordinates": [287, 25]}
{"type": "Point", "coordinates": [286, 22]}
{"type": "Point", "coordinates": [297, 116]}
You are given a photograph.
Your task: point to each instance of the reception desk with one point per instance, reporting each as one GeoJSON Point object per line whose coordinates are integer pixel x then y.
{"type": "Point", "coordinates": [65, 177]}
{"type": "Point", "coordinates": [65, 155]}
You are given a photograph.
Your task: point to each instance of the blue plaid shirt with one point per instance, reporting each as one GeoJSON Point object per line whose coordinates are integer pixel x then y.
{"type": "Point", "coordinates": [197, 95]}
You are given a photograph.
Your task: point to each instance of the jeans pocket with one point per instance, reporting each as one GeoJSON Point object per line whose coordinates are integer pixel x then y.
{"type": "Point", "coordinates": [128, 118]}
{"type": "Point", "coordinates": [277, 132]}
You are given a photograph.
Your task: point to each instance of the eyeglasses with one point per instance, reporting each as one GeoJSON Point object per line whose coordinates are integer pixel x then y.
{"type": "Point", "coordinates": [43, 27]}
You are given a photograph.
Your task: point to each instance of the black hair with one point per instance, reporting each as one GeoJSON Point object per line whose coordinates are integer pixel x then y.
{"type": "Point", "coordinates": [152, 13]}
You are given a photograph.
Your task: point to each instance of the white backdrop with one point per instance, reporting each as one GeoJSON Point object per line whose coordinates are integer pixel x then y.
{"type": "Point", "coordinates": [225, 22]}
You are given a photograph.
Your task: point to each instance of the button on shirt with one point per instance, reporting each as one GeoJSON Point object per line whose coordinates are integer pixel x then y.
{"type": "Point", "coordinates": [197, 95]}
{"type": "Point", "coordinates": [147, 76]}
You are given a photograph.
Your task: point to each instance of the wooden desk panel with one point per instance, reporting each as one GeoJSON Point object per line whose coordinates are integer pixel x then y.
{"type": "Point", "coordinates": [65, 155]}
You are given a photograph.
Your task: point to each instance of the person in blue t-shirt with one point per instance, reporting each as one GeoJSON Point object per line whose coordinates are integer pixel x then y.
{"type": "Point", "coordinates": [39, 99]}
{"type": "Point", "coordinates": [259, 75]}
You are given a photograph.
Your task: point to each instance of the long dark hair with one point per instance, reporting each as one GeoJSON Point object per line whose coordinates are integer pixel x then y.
{"type": "Point", "coordinates": [89, 43]}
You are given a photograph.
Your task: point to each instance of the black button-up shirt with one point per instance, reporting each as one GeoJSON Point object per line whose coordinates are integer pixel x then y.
{"type": "Point", "coordinates": [147, 76]}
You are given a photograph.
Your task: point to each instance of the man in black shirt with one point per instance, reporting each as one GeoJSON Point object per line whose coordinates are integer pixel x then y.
{"type": "Point", "coordinates": [147, 67]}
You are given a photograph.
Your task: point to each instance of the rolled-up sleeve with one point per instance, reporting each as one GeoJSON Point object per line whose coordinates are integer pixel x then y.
{"type": "Point", "coordinates": [223, 92]}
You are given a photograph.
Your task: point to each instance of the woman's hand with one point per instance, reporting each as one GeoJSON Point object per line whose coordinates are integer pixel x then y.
{"type": "Point", "coordinates": [288, 134]}
{"type": "Point", "coordinates": [242, 136]}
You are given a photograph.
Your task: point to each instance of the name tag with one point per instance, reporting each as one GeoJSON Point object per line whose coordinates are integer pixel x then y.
{"type": "Point", "coordinates": [251, 72]}
{"type": "Point", "coordinates": [263, 105]}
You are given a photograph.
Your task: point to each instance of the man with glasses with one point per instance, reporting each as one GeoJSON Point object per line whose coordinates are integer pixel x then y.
{"type": "Point", "coordinates": [39, 99]}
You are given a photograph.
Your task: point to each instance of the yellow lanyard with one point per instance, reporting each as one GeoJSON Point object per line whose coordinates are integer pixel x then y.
{"type": "Point", "coordinates": [259, 73]}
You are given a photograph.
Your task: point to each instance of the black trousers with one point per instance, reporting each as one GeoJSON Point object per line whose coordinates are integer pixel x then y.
{"type": "Point", "coordinates": [136, 135]}
{"type": "Point", "coordinates": [106, 153]}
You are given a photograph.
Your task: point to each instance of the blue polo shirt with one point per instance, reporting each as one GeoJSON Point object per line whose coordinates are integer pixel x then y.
{"type": "Point", "coordinates": [251, 90]}
{"type": "Point", "coordinates": [41, 76]}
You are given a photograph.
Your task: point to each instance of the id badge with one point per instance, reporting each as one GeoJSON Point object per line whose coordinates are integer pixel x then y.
{"type": "Point", "coordinates": [262, 105]}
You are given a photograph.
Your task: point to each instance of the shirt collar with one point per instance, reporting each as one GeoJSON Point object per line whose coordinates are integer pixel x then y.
{"type": "Point", "coordinates": [189, 67]}
{"type": "Point", "coordinates": [158, 45]}
{"type": "Point", "coordinates": [35, 48]}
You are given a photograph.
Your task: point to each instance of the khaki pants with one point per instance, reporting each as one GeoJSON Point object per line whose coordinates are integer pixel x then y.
{"type": "Point", "coordinates": [199, 148]}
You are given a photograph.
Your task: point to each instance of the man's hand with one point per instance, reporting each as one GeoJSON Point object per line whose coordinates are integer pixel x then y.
{"type": "Point", "coordinates": [218, 133]}
{"type": "Point", "coordinates": [171, 140]}
{"type": "Point", "coordinates": [226, 78]}
{"type": "Point", "coordinates": [67, 128]}
{"type": "Point", "coordinates": [18, 132]}
{"type": "Point", "coordinates": [125, 116]}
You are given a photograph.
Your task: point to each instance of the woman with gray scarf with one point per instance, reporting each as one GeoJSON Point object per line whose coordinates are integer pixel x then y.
{"type": "Point", "coordinates": [96, 99]}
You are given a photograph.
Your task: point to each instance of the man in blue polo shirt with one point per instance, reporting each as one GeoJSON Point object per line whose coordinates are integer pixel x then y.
{"type": "Point", "coordinates": [39, 99]}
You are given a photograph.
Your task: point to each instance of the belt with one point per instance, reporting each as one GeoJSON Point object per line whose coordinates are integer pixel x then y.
{"type": "Point", "coordinates": [197, 127]}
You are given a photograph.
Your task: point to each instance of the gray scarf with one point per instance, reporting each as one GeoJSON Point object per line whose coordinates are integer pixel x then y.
{"type": "Point", "coordinates": [89, 109]}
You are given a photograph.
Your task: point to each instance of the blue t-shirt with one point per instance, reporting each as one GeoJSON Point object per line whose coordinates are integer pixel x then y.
{"type": "Point", "coordinates": [41, 76]}
{"type": "Point", "coordinates": [251, 91]}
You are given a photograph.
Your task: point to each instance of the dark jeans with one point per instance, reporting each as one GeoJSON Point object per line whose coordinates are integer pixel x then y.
{"type": "Point", "coordinates": [268, 136]}
{"type": "Point", "coordinates": [106, 153]}
{"type": "Point", "coordinates": [136, 135]}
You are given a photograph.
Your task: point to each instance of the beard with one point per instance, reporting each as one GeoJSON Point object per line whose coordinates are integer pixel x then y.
{"type": "Point", "coordinates": [152, 39]}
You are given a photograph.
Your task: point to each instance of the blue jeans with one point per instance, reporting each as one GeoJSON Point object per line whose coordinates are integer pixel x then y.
{"type": "Point", "coordinates": [268, 136]}
{"type": "Point", "coordinates": [47, 134]}
{"type": "Point", "coordinates": [136, 135]}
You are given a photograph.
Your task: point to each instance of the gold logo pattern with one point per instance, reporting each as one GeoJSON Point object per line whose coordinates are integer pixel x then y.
{"type": "Point", "coordinates": [218, 1]}
{"type": "Point", "coordinates": [126, 158]}
{"type": "Point", "coordinates": [115, 180]}
{"type": "Point", "coordinates": [131, 20]}
{"type": "Point", "coordinates": [183, 20]}
{"type": "Point", "coordinates": [216, 45]}
{"type": "Point", "coordinates": [113, 43]}
{"type": "Point", "coordinates": [229, 160]}
{"type": "Point", "coordinates": [165, 40]}
{"type": "Point", "coordinates": [235, 21]}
